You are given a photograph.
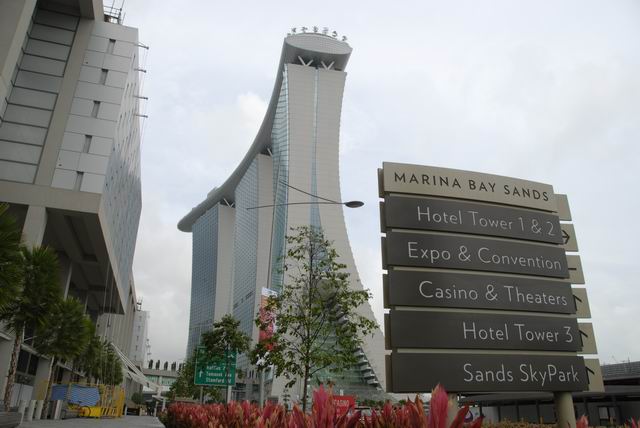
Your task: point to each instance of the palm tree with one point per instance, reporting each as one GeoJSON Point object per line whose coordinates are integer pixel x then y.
{"type": "Point", "coordinates": [10, 257]}
{"type": "Point", "coordinates": [63, 337]}
{"type": "Point", "coordinates": [89, 360]}
{"type": "Point", "coordinates": [111, 366]}
{"type": "Point", "coordinates": [33, 304]}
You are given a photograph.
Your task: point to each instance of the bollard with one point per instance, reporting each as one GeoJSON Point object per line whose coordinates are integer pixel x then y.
{"type": "Point", "coordinates": [21, 408]}
{"type": "Point", "coordinates": [38, 414]}
{"type": "Point", "coordinates": [30, 410]}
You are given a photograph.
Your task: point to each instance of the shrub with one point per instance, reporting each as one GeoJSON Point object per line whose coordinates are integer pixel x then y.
{"type": "Point", "coordinates": [323, 415]}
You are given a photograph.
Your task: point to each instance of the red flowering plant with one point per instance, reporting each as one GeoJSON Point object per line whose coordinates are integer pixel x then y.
{"type": "Point", "coordinates": [323, 415]}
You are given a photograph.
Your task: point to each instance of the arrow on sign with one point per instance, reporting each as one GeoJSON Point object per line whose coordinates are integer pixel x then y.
{"type": "Point", "coordinates": [566, 236]}
{"type": "Point", "coordinates": [200, 373]}
{"type": "Point", "coordinates": [576, 299]}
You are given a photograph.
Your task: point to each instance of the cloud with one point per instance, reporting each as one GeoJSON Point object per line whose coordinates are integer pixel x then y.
{"type": "Point", "coordinates": [546, 92]}
{"type": "Point", "coordinates": [162, 265]}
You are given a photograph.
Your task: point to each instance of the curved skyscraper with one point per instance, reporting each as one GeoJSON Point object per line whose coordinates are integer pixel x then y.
{"type": "Point", "coordinates": [237, 251]}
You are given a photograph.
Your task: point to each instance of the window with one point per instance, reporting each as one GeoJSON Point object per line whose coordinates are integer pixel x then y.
{"type": "Point", "coordinates": [95, 109]}
{"type": "Point", "coordinates": [111, 45]}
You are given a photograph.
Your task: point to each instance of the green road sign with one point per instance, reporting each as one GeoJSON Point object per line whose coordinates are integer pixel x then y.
{"type": "Point", "coordinates": [212, 373]}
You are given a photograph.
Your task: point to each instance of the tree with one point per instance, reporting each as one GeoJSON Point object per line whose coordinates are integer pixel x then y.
{"type": "Point", "coordinates": [10, 257]}
{"type": "Point", "coordinates": [184, 385]}
{"type": "Point", "coordinates": [63, 337]}
{"type": "Point", "coordinates": [89, 360]}
{"type": "Point", "coordinates": [223, 340]}
{"type": "Point", "coordinates": [32, 306]}
{"type": "Point", "coordinates": [318, 327]}
{"type": "Point", "coordinates": [137, 398]}
{"type": "Point", "coordinates": [110, 365]}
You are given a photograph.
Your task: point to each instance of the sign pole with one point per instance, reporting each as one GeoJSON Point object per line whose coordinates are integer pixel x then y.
{"type": "Point", "coordinates": [566, 416]}
{"type": "Point", "coordinates": [261, 388]}
{"type": "Point", "coordinates": [201, 395]}
{"type": "Point", "coordinates": [454, 406]}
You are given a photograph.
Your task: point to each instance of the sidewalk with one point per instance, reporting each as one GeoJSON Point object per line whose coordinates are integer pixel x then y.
{"type": "Point", "coordinates": [124, 422]}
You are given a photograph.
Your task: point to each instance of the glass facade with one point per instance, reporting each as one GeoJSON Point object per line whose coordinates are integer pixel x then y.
{"type": "Point", "coordinates": [314, 219]}
{"type": "Point", "coordinates": [245, 252]}
{"type": "Point", "coordinates": [280, 154]}
{"type": "Point", "coordinates": [203, 276]}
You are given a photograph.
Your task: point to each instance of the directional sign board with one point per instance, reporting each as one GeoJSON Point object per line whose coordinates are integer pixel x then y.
{"type": "Point", "coordinates": [464, 330]}
{"type": "Point", "coordinates": [479, 284]}
{"type": "Point", "coordinates": [212, 373]}
{"type": "Point", "coordinates": [465, 252]}
{"type": "Point", "coordinates": [481, 372]}
{"type": "Point", "coordinates": [457, 289]}
{"type": "Point", "coordinates": [454, 183]}
{"type": "Point", "coordinates": [471, 217]}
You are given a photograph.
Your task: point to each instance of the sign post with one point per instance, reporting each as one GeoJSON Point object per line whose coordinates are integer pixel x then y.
{"type": "Point", "coordinates": [213, 373]}
{"type": "Point", "coordinates": [479, 286]}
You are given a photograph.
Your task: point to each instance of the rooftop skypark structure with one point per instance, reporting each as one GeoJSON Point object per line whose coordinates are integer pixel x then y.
{"type": "Point", "coordinates": [237, 251]}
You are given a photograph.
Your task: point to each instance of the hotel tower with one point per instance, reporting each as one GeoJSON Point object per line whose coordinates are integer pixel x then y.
{"type": "Point", "coordinates": [237, 251]}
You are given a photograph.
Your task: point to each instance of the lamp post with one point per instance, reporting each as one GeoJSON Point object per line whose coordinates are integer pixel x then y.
{"type": "Point", "coordinates": [322, 201]}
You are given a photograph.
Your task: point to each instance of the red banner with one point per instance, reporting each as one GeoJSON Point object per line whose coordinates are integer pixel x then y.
{"type": "Point", "coordinates": [343, 403]}
{"type": "Point", "coordinates": [266, 316]}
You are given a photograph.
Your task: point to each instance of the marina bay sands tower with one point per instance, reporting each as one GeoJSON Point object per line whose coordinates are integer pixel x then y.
{"type": "Point", "coordinates": [237, 251]}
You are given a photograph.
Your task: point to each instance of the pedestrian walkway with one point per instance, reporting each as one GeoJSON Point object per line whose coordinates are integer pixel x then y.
{"type": "Point", "coordinates": [124, 422]}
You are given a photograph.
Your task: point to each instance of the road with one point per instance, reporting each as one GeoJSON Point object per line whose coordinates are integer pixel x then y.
{"type": "Point", "coordinates": [124, 422]}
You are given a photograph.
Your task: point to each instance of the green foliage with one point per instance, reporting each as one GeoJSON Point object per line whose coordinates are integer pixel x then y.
{"type": "Point", "coordinates": [65, 335]}
{"type": "Point", "coordinates": [10, 257]}
{"type": "Point", "coordinates": [318, 327]}
{"type": "Point", "coordinates": [223, 340]}
{"type": "Point", "coordinates": [185, 388]}
{"type": "Point", "coordinates": [34, 304]}
{"type": "Point", "coordinates": [89, 360]}
{"type": "Point", "coordinates": [110, 366]}
{"type": "Point", "coordinates": [137, 398]}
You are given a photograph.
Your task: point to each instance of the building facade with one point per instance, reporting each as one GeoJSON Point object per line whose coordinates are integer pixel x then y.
{"type": "Point", "coordinates": [70, 157]}
{"type": "Point", "coordinates": [615, 406]}
{"type": "Point", "coordinates": [237, 251]}
{"type": "Point", "coordinates": [139, 347]}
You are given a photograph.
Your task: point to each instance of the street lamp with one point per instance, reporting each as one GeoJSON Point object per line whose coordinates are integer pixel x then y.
{"type": "Point", "coordinates": [324, 201]}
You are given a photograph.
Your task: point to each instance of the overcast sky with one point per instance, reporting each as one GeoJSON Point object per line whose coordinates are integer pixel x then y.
{"type": "Point", "coordinates": [541, 90]}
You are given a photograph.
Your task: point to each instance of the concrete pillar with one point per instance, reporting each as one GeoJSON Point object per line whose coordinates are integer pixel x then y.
{"type": "Point", "coordinates": [30, 410]}
{"type": "Point", "coordinates": [565, 415]}
{"type": "Point", "coordinates": [6, 347]}
{"type": "Point", "coordinates": [38, 414]}
{"type": "Point", "coordinates": [22, 407]}
{"type": "Point", "coordinates": [35, 224]}
{"type": "Point", "coordinates": [57, 409]}
{"type": "Point", "coordinates": [42, 375]}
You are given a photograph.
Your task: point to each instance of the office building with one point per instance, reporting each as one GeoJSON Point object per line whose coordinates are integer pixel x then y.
{"type": "Point", "coordinates": [237, 251]}
{"type": "Point", "coordinates": [139, 347]}
{"type": "Point", "coordinates": [70, 158]}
